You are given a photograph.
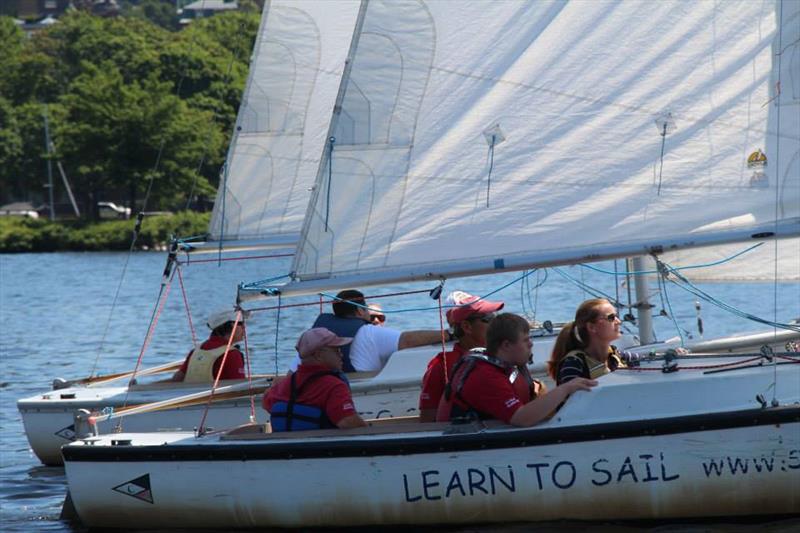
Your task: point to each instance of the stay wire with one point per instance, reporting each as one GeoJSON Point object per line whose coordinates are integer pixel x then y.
{"type": "Point", "coordinates": [159, 307]}
{"type": "Point", "coordinates": [777, 196]}
{"type": "Point", "coordinates": [201, 428]}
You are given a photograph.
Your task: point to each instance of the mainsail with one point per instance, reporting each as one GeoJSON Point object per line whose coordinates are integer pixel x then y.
{"type": "Point", "coordinates": [295, 76]}
{"type": "Point", "coordinates": [481, 136]}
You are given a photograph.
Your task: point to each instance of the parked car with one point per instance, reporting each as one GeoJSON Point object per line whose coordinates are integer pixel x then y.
{"type": "Point", "coordinates": [19, 209]}
{"type": "Point", "coordinates": [112, 210]}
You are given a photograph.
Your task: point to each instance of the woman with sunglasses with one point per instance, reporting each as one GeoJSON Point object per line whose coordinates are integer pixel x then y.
{"type": "Point", "coordinates": [583, 348]}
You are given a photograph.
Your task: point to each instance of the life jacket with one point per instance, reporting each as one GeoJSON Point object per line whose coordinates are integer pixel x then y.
{"type": "Point", "coordinates": [593, 368]}
{"type": "Point", "coordinates": [201, 364]}
{"type": "Point", "coordinates": [519, 377]}
{"type": "Point", "coordinates": [293, 416]}
{"type": "Point", "coordinates": [343, 327]}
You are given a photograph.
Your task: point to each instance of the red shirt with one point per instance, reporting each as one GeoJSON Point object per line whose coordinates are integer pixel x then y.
{"type": "Point", "coordinates": [328, 393]}
{"type": "Point", "coordinates": [234, 363]}
{"type": "Point", "coordinates": [433, 381]}
{"type": "Point", "coordinates": [488, 390]}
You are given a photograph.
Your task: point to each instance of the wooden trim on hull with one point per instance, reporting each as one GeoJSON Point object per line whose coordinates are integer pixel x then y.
{"type": "Point", "coordinates": [473, 438]}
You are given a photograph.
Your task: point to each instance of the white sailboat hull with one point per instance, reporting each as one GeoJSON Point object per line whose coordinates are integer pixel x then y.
{"type": "Point", "coordinates": [49, 417]}
{"type": "Point", "coordinates": [639, 446]}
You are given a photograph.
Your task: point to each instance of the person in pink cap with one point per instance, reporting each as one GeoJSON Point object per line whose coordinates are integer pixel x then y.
{"type": "Point", "coordinates": [317, 395]}
{"type": "Point", "coordinates": [469, 320]}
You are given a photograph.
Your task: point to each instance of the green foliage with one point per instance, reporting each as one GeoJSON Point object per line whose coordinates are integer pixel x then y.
{"type": "Point", "coordinates": [128, 100]}
{"type": "Point", "coordinates": [19, 234]}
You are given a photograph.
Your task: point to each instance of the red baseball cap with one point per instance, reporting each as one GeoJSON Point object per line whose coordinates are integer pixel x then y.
{"type": "Point", "coordinates": [468, 305]}
{"type": "Point", "coordinates": [317, 338]}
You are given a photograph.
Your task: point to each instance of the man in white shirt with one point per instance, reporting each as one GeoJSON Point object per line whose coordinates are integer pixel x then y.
{"type": "Point", "coordinates": [372, 346]}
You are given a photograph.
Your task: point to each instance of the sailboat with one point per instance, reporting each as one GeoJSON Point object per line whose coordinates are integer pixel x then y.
{"type": "Point", "coordinates": [293, 82]}
{"type": "Point", "coordinates": [483, 137]}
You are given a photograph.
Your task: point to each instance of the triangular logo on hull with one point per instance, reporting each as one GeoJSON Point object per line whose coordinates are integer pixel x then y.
{"type": "Point", "coordinates": [138, 488]}
{"type": "Point", "coordinates": [67, 433]}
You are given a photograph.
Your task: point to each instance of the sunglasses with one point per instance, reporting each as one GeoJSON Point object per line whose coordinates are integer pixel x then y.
{"type": "Point", "coordinates": [483, 318]}
{"type": "Point", "coordinates": [378, 318]}
{"type": "Point", "coordinates": [611, 317]}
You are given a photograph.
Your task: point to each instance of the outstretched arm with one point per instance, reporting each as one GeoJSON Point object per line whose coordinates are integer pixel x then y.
{"type": "Point", "coordinates": [537, 410]}
{"type": "Point", "coordinates": [411, 339]}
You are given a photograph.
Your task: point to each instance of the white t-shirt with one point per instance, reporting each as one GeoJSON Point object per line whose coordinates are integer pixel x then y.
{"type": "Point", "coordinates": [370, 349]}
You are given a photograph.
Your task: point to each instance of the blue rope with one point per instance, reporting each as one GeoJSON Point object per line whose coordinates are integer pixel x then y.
{"type": "Point", "coordinates": [491, 166]}
{"type": "Point", "coordinates": [260, 283]}
{"type": "Point", "coordinates": [597, 293]}
{"type": "Point", "coordinates": [687, 285]}
{"type": "Point", "coordinates": [673, 269]}
{"type": "Point", "coordinates": [662, 286]}
{"type": "Point", "coordinates": [415, 309]}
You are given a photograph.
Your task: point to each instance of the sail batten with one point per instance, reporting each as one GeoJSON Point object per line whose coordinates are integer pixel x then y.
{"type": "Point", "coordinates": [576, 96]}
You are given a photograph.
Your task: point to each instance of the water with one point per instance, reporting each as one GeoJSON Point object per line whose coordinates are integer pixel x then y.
{"type": "Point", "coordinates": [54, 311]}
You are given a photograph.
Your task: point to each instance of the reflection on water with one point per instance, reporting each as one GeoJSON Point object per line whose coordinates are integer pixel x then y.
{"type": "Point", "coordinates": [54, 309]}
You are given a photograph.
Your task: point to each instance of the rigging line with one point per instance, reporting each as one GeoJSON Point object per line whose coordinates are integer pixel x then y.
{"type": "Point", "coordinates": [444, 342]}
{"type": "Point", "coordinates": [587, 289]}
{"type": "Point", "coordinates": [226, 80]}
{"type": "Point", "coordinates": [491, 165]}
{"type": "Point", "coordinates": [661, 168]}
{"type": "Point", "coordinates": [160, 303]}
{"type": "Point", "coordinates": [673, 269]}
{"type": "Point", "coordinates": [331, 142]}
{"type": "Point", "coordinates": [135, 236]}
{"type": "Point", "coordinates": [777, 195]}
{"type": "Point", "coordinates": [239, 318]}
{"type": "Point", "coordinates": [415, 309]}
{"type": "Point", "coordinates": [249, 377]}
{"type": "Point", "coordinates": [186, 304]}
{"type": "Point", "coordinates": [277, 328]}
{"type": "Point", "coordinates": [687, 285]}
{"type": "Point", "coordinates": [662, 289]}
{"type": "Point", "coordinates": [240, 258]}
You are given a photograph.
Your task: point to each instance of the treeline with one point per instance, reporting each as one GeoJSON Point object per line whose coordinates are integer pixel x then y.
{"type": "Point", "coordinates": [127, 100]}
{"type": "Point", "coordinates": [18, 234]}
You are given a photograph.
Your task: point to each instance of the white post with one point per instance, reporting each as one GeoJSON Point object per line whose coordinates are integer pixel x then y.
{"type": "Point", "coordinates": [643, 305]}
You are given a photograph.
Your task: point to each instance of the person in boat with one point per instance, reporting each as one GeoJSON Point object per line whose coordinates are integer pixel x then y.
{"type": "Point", "coordinates": [488, 384]}
{"type": "Point", "coordinates": [316, 395]}
{"type": "Point", "coordinates": [205, 364]}
{"type": "Point", "coordinates": [371, 346]}
{"type": "Point", "coordinates": [376, 315]}
{"type": "Point", "coordinates": [583, 348]}
{"type": "Point", "coordinates": [469, 320]}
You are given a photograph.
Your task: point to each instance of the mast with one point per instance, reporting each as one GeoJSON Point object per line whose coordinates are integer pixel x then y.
{"type": "Point", "coordinates": [643, 305]}
{"type": "Point", "coordinates": [49, 165]}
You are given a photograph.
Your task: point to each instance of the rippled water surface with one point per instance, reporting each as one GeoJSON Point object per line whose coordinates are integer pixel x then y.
{"type": "Point", "coordinates": [54, 318]}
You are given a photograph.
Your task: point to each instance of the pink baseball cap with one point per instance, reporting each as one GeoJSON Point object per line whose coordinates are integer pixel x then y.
{"type": "Point", "coordinates": [467, 306]}
{"type": "Point", "coordinates": [317, 338]}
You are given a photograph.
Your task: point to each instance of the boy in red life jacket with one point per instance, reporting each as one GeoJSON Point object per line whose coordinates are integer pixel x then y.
{"type": "Point", "coordinates": [202, 365]}
{"type": "Point", "coordinates": [469, 321]}
{"type": "Point", "coordinates": [316, 395]}
{"type": "Point", "coordinates": [481, 387]}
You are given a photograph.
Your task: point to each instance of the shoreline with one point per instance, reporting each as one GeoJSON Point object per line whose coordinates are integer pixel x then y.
{"type": "Point", "coordinates": [25, 235]}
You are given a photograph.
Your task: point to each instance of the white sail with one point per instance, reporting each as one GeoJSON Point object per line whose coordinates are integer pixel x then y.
{"type": "Point", "coordinates": [575, 95]}
{"type": "Point", "coordinates": [295, 75]}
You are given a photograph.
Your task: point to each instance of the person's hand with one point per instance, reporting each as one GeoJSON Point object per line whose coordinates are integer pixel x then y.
{"type": "Point", "coordinates": [579, 384]}
{"type": "Point", "coordinates": [538, 388]}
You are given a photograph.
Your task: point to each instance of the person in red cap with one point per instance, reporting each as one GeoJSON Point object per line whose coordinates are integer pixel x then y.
{"type": "Point", "coordinates": [469, 320]}
{"type": "Point", "coordinates": [483, 385]}
{"type": "Point", "coordinates": [317, 395]}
